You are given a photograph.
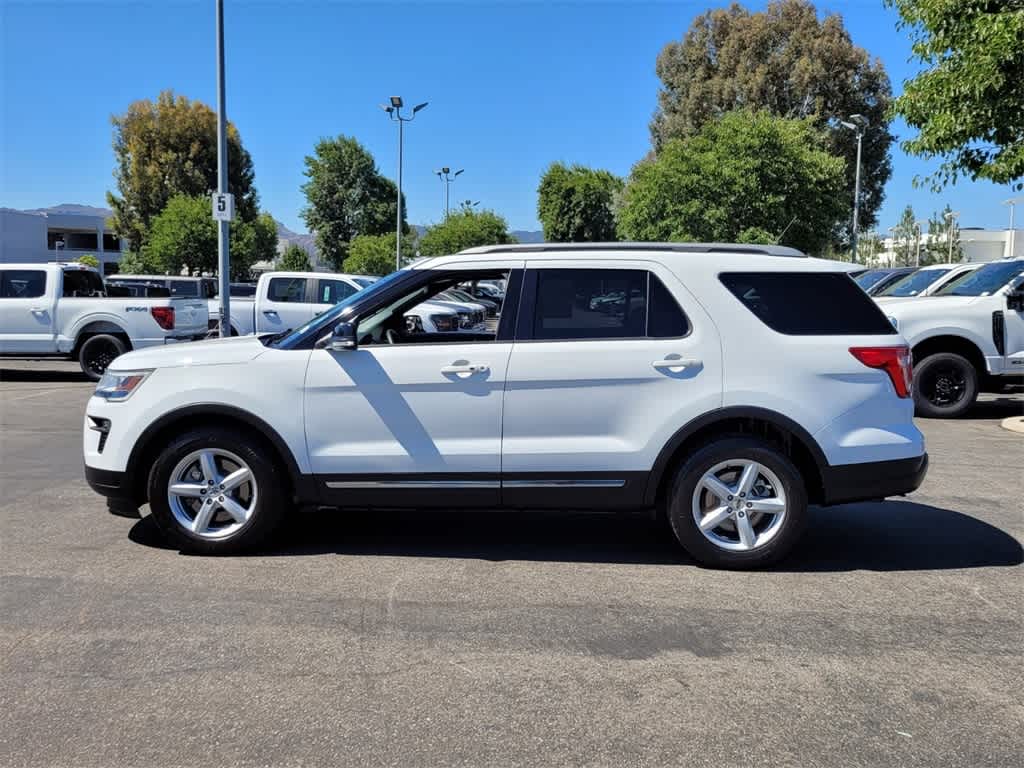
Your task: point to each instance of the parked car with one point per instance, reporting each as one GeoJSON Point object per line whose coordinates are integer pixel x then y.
{"type": "Point", "coordinates": [876, 280]}
{"type": "Point", "coordinates": [63, 310]}
{"type": "Point", "coordinates": [968, 337]}
{"type": "Point", "coordinates": [783, 385]}
{"type": "Point", "coordinates": [243, 290]}
{"type": "Point", "coordinates": [924, 281]}
{"type": "Point", "coordinates": [286, 300]}
{"type": "Point", "coordinates": [489, 307]}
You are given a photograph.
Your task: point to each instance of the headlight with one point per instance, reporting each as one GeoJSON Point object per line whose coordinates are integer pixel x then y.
{"type": "Point", "coordinates": [445, 322]}
{"type": "Point", "coordinates": [895, 322]}
{"type": "Point", "coordinates": [116, 387]}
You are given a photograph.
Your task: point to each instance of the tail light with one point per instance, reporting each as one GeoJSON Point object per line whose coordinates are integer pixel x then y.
{"type": "Point", "coordinates": [893, 360]}
{"type": "Point", "coordinates": [164, 317]}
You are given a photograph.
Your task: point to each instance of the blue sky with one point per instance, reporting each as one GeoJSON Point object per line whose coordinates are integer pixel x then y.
{"type": "Point", "coordinates": [512, 87]}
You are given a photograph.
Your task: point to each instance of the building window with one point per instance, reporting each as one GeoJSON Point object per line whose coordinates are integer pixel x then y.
{"type": "Point", "coordinates": [111, 242]}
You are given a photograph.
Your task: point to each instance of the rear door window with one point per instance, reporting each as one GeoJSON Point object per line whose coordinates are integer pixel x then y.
{"type": "Point", "coordinates": [82, 283]}
{"type": "Point", "coordinates": [808, 303]}
{"type": "Point", "coordinates": [22, 283]}
{"type": "Point", "coordinates": [332, 291]}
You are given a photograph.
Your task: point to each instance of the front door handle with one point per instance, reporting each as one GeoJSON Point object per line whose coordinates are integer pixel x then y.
{"type": "Point", "coordinates": [39, 310]}
{"type": "Point", "coordinates": [463, 368]}
{"type": "Point", "coordinates": [270, 312]}
{"type": "Point", "coordinates": [676, 363]}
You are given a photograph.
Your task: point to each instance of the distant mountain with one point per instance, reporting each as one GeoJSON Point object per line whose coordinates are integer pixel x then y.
{"type": "Point", "coordinates": [285, 237]}
{"type": "Point", "coordinates": [74, 208]}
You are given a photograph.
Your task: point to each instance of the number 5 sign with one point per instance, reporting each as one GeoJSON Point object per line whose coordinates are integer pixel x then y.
{"type": "Point", "coordinates": [223, 206]}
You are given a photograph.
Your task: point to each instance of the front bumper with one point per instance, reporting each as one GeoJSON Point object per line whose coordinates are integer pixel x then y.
{"type": "Point", "coordinates": [845, 483]}
{"type": "Point", "coordinates": [116, 487]}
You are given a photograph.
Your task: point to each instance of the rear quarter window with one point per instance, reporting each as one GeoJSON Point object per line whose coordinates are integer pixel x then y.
{"type": "Point", "coordinates": [808, 303]}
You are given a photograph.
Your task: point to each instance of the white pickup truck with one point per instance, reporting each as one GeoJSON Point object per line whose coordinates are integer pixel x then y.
{"type": "Point", "coordinates": [966, 338]}
{"type": "Point", "coordinates": [286, 300]}
{"type": "Point", "coordinates": [62, 310]}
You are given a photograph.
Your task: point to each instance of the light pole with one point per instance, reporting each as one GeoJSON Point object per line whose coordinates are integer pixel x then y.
{"type": "Point", "coordinates": [857, 123]}
{"type": "Point", "coordinates": [443, 176]}
{"type": "Point", "coordinates": [223, 232]}
{"type": "Point", "coordinates": [1012, 203]}
{"type": "Point", "coordinates": [892, 246]}
{"type": "Point", "coordinates": [395, 113]}
{"type": "Point", "coordinates": [950, 218]}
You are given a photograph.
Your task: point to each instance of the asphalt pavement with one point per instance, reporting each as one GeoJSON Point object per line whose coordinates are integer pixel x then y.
{"type": "Point", "coordinates": [893, 636]}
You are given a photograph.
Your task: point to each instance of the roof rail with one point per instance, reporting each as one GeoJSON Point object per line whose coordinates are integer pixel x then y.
{"type": "Point", "coordinates": [764, 250]}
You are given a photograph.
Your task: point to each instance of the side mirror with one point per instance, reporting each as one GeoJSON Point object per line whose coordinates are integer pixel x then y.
{"type": "Point", "coordinates": [343, 338]}
{"type": "Point", "coordinates": [1015, 299]}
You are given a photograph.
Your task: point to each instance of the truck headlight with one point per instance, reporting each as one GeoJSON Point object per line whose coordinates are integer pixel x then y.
{"type": "Point", "coordinates": [115, 387]}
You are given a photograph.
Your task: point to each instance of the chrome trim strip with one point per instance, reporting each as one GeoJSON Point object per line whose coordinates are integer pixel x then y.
{"type": "Point", "coordinates": [563, 483]}
{"type": "Point", "coordinates": [413, 484]}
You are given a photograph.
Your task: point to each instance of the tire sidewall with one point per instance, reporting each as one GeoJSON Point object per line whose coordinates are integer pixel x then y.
{"type": "Point", "coordinates": [924, 407]}
{"type": "Point", "coordinates": [92, 341]}
{"type": "Point", "coordinates": [680, 514]}
{"type": "Point", "coordinates": [269, 502]}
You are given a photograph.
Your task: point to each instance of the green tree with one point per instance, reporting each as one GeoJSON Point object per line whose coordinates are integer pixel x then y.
{"type": "Point", "coordinates": [169, 148]}
{"type": "Point", "coordinates": [134, 263]}
{"type": "Point", "coordinates": [465, 228]}
{"type": "Point", "coordinates": [942, 227]}
{"type": "Point", "coordinates": [905, 238]}
{"type": "Point", "coordinates": [375, 254]}
{"type": "Point", "coordinates": [788, 61]}
{"type": "Point", "coordinates": [346, 196]}
{"type": "Point", "coordinates": [576, 204]}
{"type": "Point", "coordinates": [184, 235]}
{"type": "Point", "coordinates": [968, 103]}
{"type": "Point", "coordinates": [294, 259]}
{"type": "Point", "coordinates": [749, 175]}
{"type": "Point", "coordinates": [252, 241]}
{"type": "Point", "coordinates": [89, 260]}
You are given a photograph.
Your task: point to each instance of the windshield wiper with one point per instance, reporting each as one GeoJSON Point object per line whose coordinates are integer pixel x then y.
{"type": "Point", "coordinates": [275, 337]}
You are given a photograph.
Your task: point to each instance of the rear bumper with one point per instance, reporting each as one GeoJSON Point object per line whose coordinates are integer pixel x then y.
{"type": "Point", "coordinates": [846, 483]}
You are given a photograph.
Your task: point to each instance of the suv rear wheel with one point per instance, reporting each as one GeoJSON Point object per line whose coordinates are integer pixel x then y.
{"type": "Point", "coordinates": [738, 503]}
{"type": "Point", "coordinates": [214, 491]}
{"type": "Point", "coordinates": [945, 386]}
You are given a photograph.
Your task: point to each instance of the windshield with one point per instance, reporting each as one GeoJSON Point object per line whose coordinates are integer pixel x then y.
{"type": "Point", "coordinates": [329, 317]}
{"type": "Point", "coordinates": [984, 281]}
{"type": "Point", "coordinates": [914, 283]}
{"type": "Point", "coordinates": [871, 278]}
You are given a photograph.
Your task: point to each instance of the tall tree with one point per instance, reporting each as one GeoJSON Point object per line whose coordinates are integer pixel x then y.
{"type": "Point", "coordinates": [788, 61]}
{"type": "Point", "coordinates": [294, 259]}
{"type": "Point", "coordinates": [968, 103]}
{"type": "Point", "coordinates": [463, 229]}
{"type": "Point", "coordinates": [576, 204]}
{"type": "Point", "coordinates": [942, 228]}
{"type": "Point", "coordinates": [748, 177]}
{"type": "Point", "coordinates": [167, 148]}
{"type": "Point", "coordinates": [375, 254]}
{"type": "Point", "coordinates": [184, 236]}
{"type": "Point", "coordinates": [346, 196]}
{"type": "Point", "coordinates": [905, 236]}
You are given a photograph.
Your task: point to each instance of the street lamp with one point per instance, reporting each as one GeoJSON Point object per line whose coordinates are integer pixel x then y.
{"type": "Point", "coordinates": [1012, 202]}
{"type": "Point", "coordinates": [857, 123]}
{"type": "Point", "coordinates": [917, 258]}
{"type": "Point", "coordinates": [443, 176]}
{"type": "Point", "coordinates": [892, 246]}
{"type": "Point", "coordinates": [395, 113]}
{"type": "Point", "coordinates": [950, 218]}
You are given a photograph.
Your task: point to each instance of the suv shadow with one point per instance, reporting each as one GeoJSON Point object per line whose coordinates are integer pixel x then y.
{"type": "Point", "coordinates": [891, 536]}
{"type": "Point", "coordinates": [43, 375]}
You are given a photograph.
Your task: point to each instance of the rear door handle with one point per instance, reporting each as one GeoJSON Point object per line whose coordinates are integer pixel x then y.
{"type": "Point", "coordinates": [676, 363]}
{"type": "Point", "coordinates": [467, 368]}
{"type": "Point", "coordinates": [269, 312]}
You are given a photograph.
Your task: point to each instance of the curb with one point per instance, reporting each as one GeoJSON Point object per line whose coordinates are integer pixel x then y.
{"type": "Point", "coordinates": [1014, 424]}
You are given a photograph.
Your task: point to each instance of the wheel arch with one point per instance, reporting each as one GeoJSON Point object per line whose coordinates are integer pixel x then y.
{"type": "Point", "coordinates": [140, 462]}
{"type": "Point", "coordinates": [948, 342]}
{"type": "Point", "coordinates": [97, 327]}
{"type": "Point", "coordinates": [794, 440]}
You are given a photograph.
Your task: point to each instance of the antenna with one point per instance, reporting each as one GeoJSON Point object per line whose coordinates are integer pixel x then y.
{"type": "Point", "coordinates": [778, 240]}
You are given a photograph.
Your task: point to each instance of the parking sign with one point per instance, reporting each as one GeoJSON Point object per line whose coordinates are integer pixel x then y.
{"type": "Point", "coordinates": [223, 206]}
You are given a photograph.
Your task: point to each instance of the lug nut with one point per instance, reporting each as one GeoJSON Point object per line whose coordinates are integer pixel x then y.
{"type": "Point", "coordinates": [743, 495]}
{"type": "Point", "coordinates": [741, 513]}
{"type": "Point", "coordinates": [750, 503]}
{"type": "Point", "coordinates": [730, 498]}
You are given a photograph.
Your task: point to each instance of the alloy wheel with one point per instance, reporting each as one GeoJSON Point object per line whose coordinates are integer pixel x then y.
{"type": "Point", "coordinates": [739, 505]}
{"type": "Point", "coordinates": [212, 493]}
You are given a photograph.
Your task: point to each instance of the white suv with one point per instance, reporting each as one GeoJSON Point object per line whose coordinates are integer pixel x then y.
{"type": "Point", "coordinates": [725, 387]}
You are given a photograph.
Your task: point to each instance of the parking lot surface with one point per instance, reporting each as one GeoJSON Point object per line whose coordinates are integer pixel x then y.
{"type": "Point", "coordinates": [893, 636]}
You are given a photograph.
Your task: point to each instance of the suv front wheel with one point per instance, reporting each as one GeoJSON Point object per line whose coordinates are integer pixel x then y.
{"type": "Point", "coordinates": [214, 491]}
{"type": "Point", "coordinates": [738, 503]}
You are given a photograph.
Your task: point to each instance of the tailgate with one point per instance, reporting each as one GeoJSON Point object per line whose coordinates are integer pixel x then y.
{"type": "Point", "coordinates": [190, 315]}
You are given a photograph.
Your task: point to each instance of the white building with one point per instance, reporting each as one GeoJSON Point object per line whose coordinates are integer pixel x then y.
{"type": "Point", "coordinates": [977, 245]}
{"type": "Point", "coordinates": [41, 236]}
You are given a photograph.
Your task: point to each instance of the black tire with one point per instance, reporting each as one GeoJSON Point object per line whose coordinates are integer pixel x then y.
{"type": "Point", "coordinates": [99, 351]}
{"type": "Point", "coordinates": [945, 386]}
{"type": "Point", "coordinates": [268, 507]}
{"type": "Point", "coordinates": [782, 538]}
